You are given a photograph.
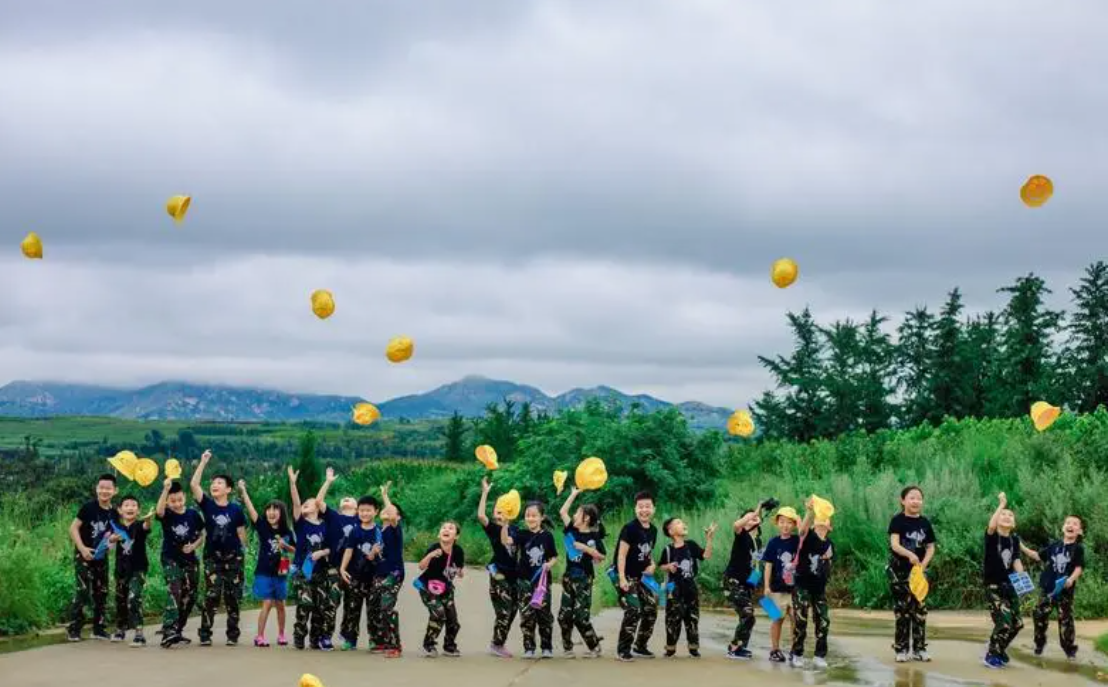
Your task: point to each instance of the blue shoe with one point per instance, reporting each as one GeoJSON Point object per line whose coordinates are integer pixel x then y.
{"type": "Point", "coordinates": [740, 654]}
{"type": "Point", "coordinates": [992, 661]}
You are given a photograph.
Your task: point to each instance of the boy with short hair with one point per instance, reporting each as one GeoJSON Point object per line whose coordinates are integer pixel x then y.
{"type": "Point", "coordinates": [1002, 558]}
{"type": "Point", "coordinates": [131, 566]}
{"type": "Point", "coordinates": [182, 534]}
{"type": "Point", "coordinates": [388, 575]}
{"type": "Point", "coordinates": [87, 532]}
{"type": "Point", "coordinates": [225, 526]}
{"type": "Point", "coordinates": [340, 525]}
{"type": "Point", "coordinates": [634, 560]}
{"type": "Point", "coordinates": [681, 559]}
{"type": "Point", "coordinates": [363, 547]}
{"type": "Point", "coordinates": [780, 560]}
{"type": "Point", "coordinates": [1063, 559]}
{"type": "Point", "coordinates": [813, 568]}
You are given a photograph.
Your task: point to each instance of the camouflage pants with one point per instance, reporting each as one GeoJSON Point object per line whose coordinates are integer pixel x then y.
{"type": "Point", "coordinates": [640, 612]}
{"type": "Point", "coordinates": [504, 594]}
{"type": "Point", "coordinates": [741, 597]}
{"type": "Point", "coordinates": [386, 620]}
{"type": "Point", "coordinates": [223, 579]}
{"type": "Point", "coordinates": [359, 594]}
{"type": "Point", "coordinates": [336, 589]}
{"type": "Point", "coordinates": [1004, 605]}
{"type": "Point", "coordinates": [181, 581]}
{"type": "Point", "coordinates": [683, 609]}
{"type": "Point", "coordinates": [313, 608]}
{"type": "Point", "coordinates": [128, 601]}
{"type": "Point", "coordinates": [576, 611]}
{"type": "Point", "coordinates": [441, 612]}
{"type": "Point", "coordinates": [531, 617]}
{"type": "Point", "coordinates": [911, 615]}
{"type": "Point", "coordinates": [91, 589]}
{"type": "Point", "coordinates": [805, 603]}
{"type": "Point", "coordinates": [1066, 633]}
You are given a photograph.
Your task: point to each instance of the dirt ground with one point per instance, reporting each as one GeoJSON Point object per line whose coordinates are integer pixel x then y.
{"type": "Point", "coordinates": [860, 655]}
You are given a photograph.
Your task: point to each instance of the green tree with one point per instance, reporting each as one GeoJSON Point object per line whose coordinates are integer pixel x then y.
{"type": "Point", "coordinates": [455, 435]}
{"type": "Point", "coordinates": [839, 377]}
{"type": "Point", "coordinates": [311, 472]}
{"type": "Point", "coordinates": [1087, 345]}
{"type": "Point", "coordinates": [1027, 363]}
{"type": "Point", "coordinates": [876, 376]}
{"type": "Point", "coordinates": [799, 377]}
{"type": "Point", "coordinates": [914, 355]}
{"type": "Point", "coordinates": [979, 346]}
{"type": "Point", "coordinates": [948, 380]}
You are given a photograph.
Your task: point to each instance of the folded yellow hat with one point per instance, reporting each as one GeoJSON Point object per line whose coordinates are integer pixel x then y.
{"type": "Point", "coordinates": [918, 584]}
{"type": "Point", "coordinates": [1036, 191]}
{"type": "Point", "coordinates": [32, 246]}
{"type": "Point", "coordinates": [740, 423]}
{"type": "Point", "coordinates": [508, 505]}
{"type": "Point", "coordinates": [1043, 414]}
{"type": "Point", "coordinates": [784, 272]}
{"type": "Point", "coordinates": [399, 349]}
{"type": "Point", "coordinates": [124, 462]}
{"type": "Point", "coordinates": [323, 303]}
{"type": "Point", "coordinates": [366, 414]}
{"type": "Point", "coordinates": [172, 468]}
{"type": "Point", "coordinates": [177, 207]}
{"type": "Point", "coordinates": [591, 474]}
{"type": "Point", "coordinates": [309, 680]}
{"type": "Point", "coordinates": [560, 480]}
{"type": "Point", "coordinates": [787, 512]}
{"type": "Point", "coordinates": [486, 455]}
{"type": "Point", "coordinates": [146, 471]}
{"type": "Point", "coordinates": [822, 510]}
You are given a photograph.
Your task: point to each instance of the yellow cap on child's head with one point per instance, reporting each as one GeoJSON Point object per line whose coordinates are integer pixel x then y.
{"type": "Point", "coordinates": [787, 512]}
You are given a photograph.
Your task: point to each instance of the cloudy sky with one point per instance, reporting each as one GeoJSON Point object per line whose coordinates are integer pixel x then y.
{"type": "Point", "coordinates": [562, 193]}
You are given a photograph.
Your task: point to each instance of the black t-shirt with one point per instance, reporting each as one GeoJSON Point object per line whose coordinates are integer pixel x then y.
{"type": "Point", "coordinates": [269, 548]}
{"type": "Point", "coordinates": [535, 549]}
{"type": "Point", "coordinates": [782, 554]}
{"type": "Point", "coordinates": [741, 563]}
{"type": "Point", "coordinates": [641, 541]}
{"type": "Point", "coordinates": [812, 570]}
{"type": "Point", "coordinates": [1001, 554]}
{"type": "Point", "coordinates": [915, 535]}
{"type": "Point", "coordinates": [222, 524]}
{"type": "Point", "coordinates": [392, 560]}
{"type": "Point", "coordinates": [1059, 561]}
{"type": "Point", "coordinates": [130, 555]}
{"type": "Point", "coordinates": [503, 557]}
{"type": "Point", "coordinates": [339, 528]}
{"type": "Point", "coordinates": [310, 537]}
{"type": "Point", "coordinates": [95, 523]}
{"type": "Point", "coordinates": [437, 568]}
{"type": "Point", "coordinates": [361, 542]}
{"type": "Point", "coordinates": [179, 529]}
{"type": "Point", "coordinates": [688, 559]}
{"type": "Point", "coordinates": [584, 564]}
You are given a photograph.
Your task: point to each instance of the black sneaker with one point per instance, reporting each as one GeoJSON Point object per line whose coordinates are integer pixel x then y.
{"type": "Point", "coordinates": [776, 657]}
{"type": "Point", "coordinates": [1003, 656]}
{"type": "Point", "coordinates": [324, 645]}
{"type": "Point", "coordinates": [170, 640]}
{"type": "Point", "coordinates": [72, 636]}
{"type": "Point", "coordinates": [643, 653]}
{"type": "Point", "coordinates": [139, 641]}
{"type": "Point", "coordinates": [101, 635]}
{"type": "Point", "coordinates": [741, 653]}
{"type": "Point", "coordinates": [625, 656]}
{"type": "Point", "coordinates": [119, 636]}
{"type": "Point", "coordinates": [298, 642]}
{"type": "Point", "coordinates": [670, 653]}
{"type": "Point", "coordinates": [181, 639]}
{"type": "Point", "coordinates": [1038, 651]}
{"type": "Point", "coordinates": [694, 653]}
{"type": "Point", "coordinates": [232, 642]}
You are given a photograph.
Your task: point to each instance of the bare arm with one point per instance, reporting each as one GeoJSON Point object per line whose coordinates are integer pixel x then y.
{"type": "Point", "coordinates": [768, 575]}
{"type": "Point", "coordinates": [198, 477]}
{"type": "Point", "coordinates": [927, 558]}
{"type": "Point", "coordinates": [894, 544]}
{"type": "Point", "coordinates": [245, 496]}
{"type": "Point", "coordinates": [1077, 573]}
{"type": "Point", "coordinates": [323, 489]}
{"type": "Point", "coordinates": [159, 509]}
{"type": "Point", "coordinates": [746, 521]}
{"type": "Point", "coordinates": [1030, 553]}
{"type": "Point", "coordinates": [385, 501]}
{"type": "Point", "coordinates": [75, 536]}
{"type": "Point", "coordinates": [566, 519]}
{"type": "Point", "coordinates": [709, 536]}
{"type": "Point", "coordinates": [483, 504]}
{"type": "Point", "coordinates": [294, 493]}
{"type": "Point", "coordinates": [505, 537]}
{"type": "Point", "coordinates": [1003, 503]}
{"type": "Point", "coordinates": [242, 535]}
{"type": "Point", "coordinates": [426, 560]}
{"type": "Point", "coordinates": [806, 523]}
{"type": "Point", "coordinates": [621, 563]}
{"type": "Point", "coordinates": [346, 556]}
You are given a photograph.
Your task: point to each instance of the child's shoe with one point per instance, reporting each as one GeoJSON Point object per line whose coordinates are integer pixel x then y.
{"type": "Point", "coordinates": [993, 661]}
{"type": "Point", "coordinates": [171, 640]}
{"type": "Point", "coordinates": [205, 641]}
{"type": "Point", "coordinates": [547, 653]}
{"type": "Point", "coordinates": [922, 657]}
{"type": "Point", "coordinates": [451, 652]}
{"type": "Point", "coordinates": [429, 652]}
{"type": "Point", "coordinates": [347, 645]}
{"type": "Point", "coordinates": [776, 656]}
{"type": "Point", "coordinates": [101, 634]}
{"type": "Point", "coordinates": [1004, 658]}
{"type": "Point", "coordinates": [670, 653]}
{"type": "Point", "coordinates": [325, 644]}
{"type": "Point", "coordinates": [902, 657]}
{"type": "Point", "coordinates": [694, 653]}
{"type": "Point", "coordinates": [1039, 651]}
{"type": "Point", "coordinates": [1072, 658]}
{"type": "Point", "coordinates": [529, 655]}
{"type": "Point", "coordinates": [260, 642]}
{"type": "Point", "coordinates": [499, 651]}
{"type": "Point", "coordinates": [282, 640]}
{"type": "Point", "coordinates": [378, 649]}
{"type": "Point", "coordinates": [232, 642]}
{"type": "Point", "coordinates": [739, 653]}
{"type": "Point", "coordinates": [138, 641]}
{"type": "Point", "coordinates": [393, 653]}
{"type": "Point", "coordinates": [797, 661]}
{"type": "Point", "coordinates": [642, 652]}
{"type": "Point", "coordinates": [119, 636]}
{"type": "Point", "coordinates": [72, 636]}
{"type": "Point", "coordinates": [820, 663]}
{"type": "Point", "coordinates": [569, 653]}
{"type": "Point", "coordinates": [625, 657]}
{"type": "Point", "coordinates": [594, 653]}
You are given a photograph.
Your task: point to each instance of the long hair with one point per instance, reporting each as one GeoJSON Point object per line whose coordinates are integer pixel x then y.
{"type": "Point", "coordinates": [283, 528]}
{"type": "Point", "coordinates": [546, 523]}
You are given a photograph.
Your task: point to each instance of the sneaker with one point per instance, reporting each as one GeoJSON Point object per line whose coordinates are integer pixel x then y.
{"type": "Point", "coordinates": [119, 636]}
{"type": "Point", "coordinates": [393, 653]}
{"type": "Point", "coordinates": [547, 653]}
{"type": "Point", "coordinates": [100, 635]}
{"type": "Point", "coordinates": [569, 653]}
{"type": "Point", "coordinates": [72, 636]}
{"type": "Point", "coordinates": [993, 661]}
{"type": "Point", "coordinates": [325, 644]}
{"type": "Point", "coordinates": [347, 645]}
{"type": "Point", "coordinates": [170, 641]}
{"type": "Point", "coordinates": [594, 653]}
{"type": "Point", "coordinates": [922, 657]}
{"type": "Point", "coordinates": [1072, 658]}
{"type": "Point", "coordinates": [643, 653]}
{"type": "Point", "coordinates": [625, 656]}
{"type": "Point", "coordinates": [670, 653]}
{"type": "Point", "coordinates": [378, 649]}
{"type": "Point", "coordinates": [233, 642]}
{"type": "Point", "coordinates": [282, 640]}
{"type": "Point", "coordinates": [1038, 651]}
{"type": "Point", "coordinates": [694, 653]}
{"type": "Point", "coordinates": [429, 652]}
{"type": "Point", "coordinates": [740, 654]}
{"type": "Point", "coordinates": [820, 663]}
{"type": "Point", "coordinates": [902, 657]}
{"type": "Point", "coordinates": [206, 642]}
{"type": "Point", "coordinates": [452, 653]}
{"type": "Point", "coordinates": [138, 641]}
{"type": "Point", "coordinates": [181, 639]}
{"type": "Point", "coordinates": [797, 661]}
{"type": "Point", "coordinates": [297, 642]}
{"type": "Point", "coordinates": [528, 655]}
{"type": "Point", "coordinates": [1004, 658]}
{"type": "Point", "coordinates": [776, 656]}
{"type": "Point", "coordinates": [499, 651]}
{"type": "Point", "coordinates": [260, 642]}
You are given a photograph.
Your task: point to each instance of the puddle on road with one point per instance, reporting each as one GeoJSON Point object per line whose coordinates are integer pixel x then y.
{"type": "Point", "coordinates": [24, 642]}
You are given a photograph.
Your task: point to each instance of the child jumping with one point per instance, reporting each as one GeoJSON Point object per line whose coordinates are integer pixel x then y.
{"type": "Point", "coordinates": [182, 534]}
{"type": "Point", "coordinates": [1063, 559]}
{"type": "Point", "coordinates": [736, 580]}
{"type": "Point", "coordinates": [634, 559]}
{"type": "Point", "coordinates": [780, 560]}
{"type": "Point", "coordinates": [577, 580]}
{"type": "Point", "coordinates": [340, 525]}
{"type": "Point", "coordinates": [1002, 558]}
{"type": "Point", "coordinates": [503, 581]}
{"type": "Point", "coordinates": [681, 559]}
{"type": "Point", "coordinates": [911, 543]}
{"type": "Point", "coordinates": [270, 578]}
{"type": "Point", "coordinates": [87, 531]}
{"type": "Point", "coordinates": [443, 562]}
{"type": "Point", "coordinates": [313, 589]}
{"type": "Point", "coordinates": [537, 555]}
{"type": "Point", "coordinates": [131, 566]}
{"type": "Point", "coordinates": [813, 568]}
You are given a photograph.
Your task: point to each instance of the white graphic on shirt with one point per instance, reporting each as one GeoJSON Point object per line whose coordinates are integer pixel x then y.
{"type": "Point", "coordinates": [346, 530]}
{"type": "Point", "coordinates": [315, 540]}
{"type": "Point", "coordinates": [535, 556]}
{"type": "Point", "coordinates": [126, 546]}
{"type": "Point", "coordinates": [1006, 558]}
{"type": "Point", "coordinates": [274, 546]}
{"type": "Point", "coordinates": [222, 523]}
{"type": "Point", "coordinates": [786, 559]}
{"type": "Point", "coordinates": [366, 547]}
{"type": "Point", "coordinates": [644, 552]}
{"type": "Point", "coordinates": [1061, 561]}
{"type": "Point", "coordinates": [686, 568]}
{"type": "Point", "coordinates": [917, 538]}
{"type": "Point", "coordinates": [98, 529]}
{"type": "Point", "coordinates": [814, 562]}
{"type": "Point", "coordinates": [182, 531]}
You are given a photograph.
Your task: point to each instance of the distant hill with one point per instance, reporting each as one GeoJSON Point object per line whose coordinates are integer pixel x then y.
{"type": "Point", "coordinates": [187, 401]}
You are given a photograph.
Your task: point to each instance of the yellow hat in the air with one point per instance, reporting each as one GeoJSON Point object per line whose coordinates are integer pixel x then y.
{"type": "Point", "coordinates": [591, 474]}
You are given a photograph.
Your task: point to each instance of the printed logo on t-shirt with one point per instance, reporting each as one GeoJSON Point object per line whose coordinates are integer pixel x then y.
{"type": "Point", "coordinates": [535, 556]}
{"type": "Point", "coordinates": [222, 522]}
{"type": "Point", "coordinates": [366, 548]}
{"type": "Point", "coordinates": [1061, 561]}
{"type": "Point", "coordinates": [126, 546]}
{"type": "Point", "coordinates": [182, 530]}
{"type": "Point", "coordinates": [274, 546]}
{"type": "Point", "coordinates": [786, 558]}
{"type": "Point", "coordinates": [917, 538]}
{"type": "Point", "coordinates": [644, 552]}
{"type": "Point", "coordinates": [346, 530]}
{"type": "Point", "coordinates": [686, 568]}
{"type": "Point", "coordinates": [1006, 558]}
{"type": "Point", "coordinates": [813, 562]}
{"type": "Point", "coordinates": [315, 539]}
{"type": "Point", "coordinates": [98, 528]}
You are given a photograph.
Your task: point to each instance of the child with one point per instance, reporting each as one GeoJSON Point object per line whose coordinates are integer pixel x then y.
{"type": "Point", "coordinates": [503, 584]}
{"type": "Point", "coordinates": [92, 524]}
{"type": "Point", "coordinates": [537, 554]}
{"type": "Point", "coordinates": [340, 524]}
{"type": "Point", "coordinates": [313, 598]}
{"type": "Point", "coordinates": [780, 559]}
{"type": "Point", "coordinates": [736, 581]}
{"type": "Point", "coordinates": [182, 534]}
{"type": "Point", "coordinates": [1002, 558]}
{"type": "Point", "coordinates": [911, 543]}
{"type": "Point", "coordinates": [633, 560]}
{"type": "Point", "coordinates": [225, 524]}
{"type": "Point", "coordinates": [681, 559]}
{"type": "Point", "coordinates": [388, 576]}
{"type": "Point", "coordinates": [270, 578]}
{"type": "Point", "coordinates": [358, 564]}
{"type": "Point", "coordinates": [577, 580]}
{"type": "Point", "coordinates": [1064, 559]}
{"type": "Point", "coordinates": [131, 565]}
{"type": "Point", "coordinates": [813, 568]}
{"type": "Point", "coordinates": [444, 561]}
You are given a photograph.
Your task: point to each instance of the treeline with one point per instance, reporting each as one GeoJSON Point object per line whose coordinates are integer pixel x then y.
{"type": "Point", "coordinates": [860, 376]}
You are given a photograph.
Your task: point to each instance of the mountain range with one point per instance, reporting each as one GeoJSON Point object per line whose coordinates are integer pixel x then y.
{"type": "Point", "coordinates": [191, 401]}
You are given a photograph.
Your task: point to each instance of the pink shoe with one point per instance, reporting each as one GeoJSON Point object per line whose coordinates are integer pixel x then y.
{"type": "Point", "coordinates": [259, 641]}
{"type": "Point", "coordinates": [281, 640]}
{"type": "Point", "coordinates": [499, 651]}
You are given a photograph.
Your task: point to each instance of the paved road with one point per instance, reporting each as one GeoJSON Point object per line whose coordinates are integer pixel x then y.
{"type": "Point", "coordinates": [862, 658]}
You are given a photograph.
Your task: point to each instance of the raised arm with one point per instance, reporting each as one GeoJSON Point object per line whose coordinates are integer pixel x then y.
{"type": "Point", "coordinates": [751, 518]}
{"type": "Point", "coordinates": [385, 501]}
{"type": "Point", "coordinates": [319, 498]}
{"type": "Point", "coordinates": [709, 536]}
{"type": "Point", "coordinates": [294, 493]}
{"type": "Point", "coordinates": [806, 523]}
{"type": "Point", "coordinates": [1001, 505]}
{"type": "Point", "coordinates": [159, 509]}
{"type": "Point", "coordinates": [197, 477]}
{"type": "Point", "coordinates": [483, 504]}
{"type": "Point", "coordinates": [251, 512]}
{"type": "Point", "coordinates": [566, 519]}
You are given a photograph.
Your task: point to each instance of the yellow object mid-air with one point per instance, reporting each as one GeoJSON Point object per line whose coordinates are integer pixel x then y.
{"type": "Point", "coordinates": [1036, 191]}
{"type": "Point", "coordinates": [172, 468]}
{"type": "Point", "coordinates": [399, 349]}
{"type": "Point", "coordinates": [784, 272]}
{"type": "Point", "coordinates": [125, 462]}
{"type": "Point", "coordinates": [508, 505]}
{"type": "Point", "coordinates": [366, 414]}
{"type": "Point", "coordinates": [591, 474]}
{"type": "Point", "coordinates": [323, 303]}
{"type": "Point", "coordinates": [822, 510]}
{"type": "Point", "coordinates": [146, 471]}
{"type": "Point", "coordinates": [178, 207]}
{"type": "Point", "coordinates": [486, 455]}
{"type": "Point", "coordinates": [32, 246]}
{"type": "Point", "coordinates": [740, 424]}
{"type": "Point", "coordinates": [560, 480]}
{"type": "Point", "coordinates": [1043, 414]}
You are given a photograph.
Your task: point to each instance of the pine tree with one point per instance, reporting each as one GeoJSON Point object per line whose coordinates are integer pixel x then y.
{"type": "Point", "coordinates": [914, 354]}
{"type": "Point", "coordinates": [1087, 345]}
{"type": "Point", "coordinates": [979, 352]}
{"type": "Point", "coordinates": [948, 379]}
{"type": "Point", "coordinates": [455, 435]}
{"type": "Point", "coordinates": [307, 464]}
{"type": "Point", "coordinates": [876, 382]}
{"type": "Point", "coordinates": [839, 378]}
{"type": "Point", "coordinates": [1027, 362]}
{"type": "Point", "coordinates": [800, 378]}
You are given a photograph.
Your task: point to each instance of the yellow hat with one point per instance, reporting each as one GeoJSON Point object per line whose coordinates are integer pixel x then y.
{"type": "Point", "coordinates": [399, 349]}
{"type": "Point", "coordinates": [32, 246]}
{"type": "Point", "coordinates": [822, 510]}
{"type": "Point", "coordinates": [124, 462]}
{"type": "Point", "coordinates": [177, 207]}
{"type": "Point", "coordinates": [309, 680]}
{"type": "Point", "coordinates": [146, 471]}
{"type": "Point", "coordinates": [560, 480]}
{"type": "Point", "coordinates": [172, 468]}
{"type": "Point", "coordinates": [366, 414]}
{"type": "Point", "coordinates": [1036, 191]}
{"type": "Point", "coordinates": [591, 474]}
{"type": "Point", "coordinates": [486, 455]}
{"type": "Point", "coordinates": [1043, 414]}
{"type": "Point", "coordinates": [508, 505]}
{"type": "Point", "coordinates": [787, 512]}
{"type": "Point", "coordinates": [918, 584]}
{"type": "Point", "coordinates": [784, 272]}
{"type": "Point", "coordinates": [740, 423]}
{"type": "Point", "coordinates": [323, 303]}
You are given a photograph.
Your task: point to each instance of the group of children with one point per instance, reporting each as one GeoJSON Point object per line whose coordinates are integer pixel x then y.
{"type": "Point", "coordinates": [348, 558]}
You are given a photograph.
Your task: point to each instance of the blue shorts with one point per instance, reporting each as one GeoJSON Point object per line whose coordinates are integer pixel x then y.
{"type": "Point", "coordinates": [270, 588]}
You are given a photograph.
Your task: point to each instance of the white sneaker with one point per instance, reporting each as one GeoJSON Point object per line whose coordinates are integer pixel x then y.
{"type": "Point", "coordinates": [594, 653]}
{"type": "Point", "coordinates": [569, 653]}
{"type": "Point", "coordinates": [528, 655]}
{"type": "Point", "coordinates": [797, 661]}
{"type": "Point", "coordinates": [820, 663]}
{"type": "Point", "coordinates": [902, 657]}
{"type": "Point", "coordinates": [547, 653]}
{"type": "Point", "coordinates": [921, 656]}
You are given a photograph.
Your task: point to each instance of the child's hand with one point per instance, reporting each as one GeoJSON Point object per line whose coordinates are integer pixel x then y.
{"type": "Point", "coordinates": [485, 486]}
{"type": "Point", "coordinates": [649, 571]}
{"type": "Point", "coordinates": [374, 552]}
{"type": "Point", "coordinates": [579, 546]}
{"type": "Point", "coordinates": [1069, 583]}
{"type": "Point", "coordinates": [206, 456]}
{"type": "Point", "coordinates": [113, 538]}
{"type": "Point", "coordinates": [86, 553]}
{"type": "Point", "coordinates": [460, 574]}
{"type": "Point", "coordinates": [670, 567]}
{"type": "Point", "coordinates": [189, 548]}
{"type": "Point", "coordinates": [913, 558]}
{"type": "Point", "coordinates": [1003, 498]}
{"type": "Point", "coordinates": [549, 564]}
{"type": "Point", "coordinates": [710, 531]}
{"type": "Point", "coordinates": [293, 474]}
{"type": "Point", "coordinates": [385, 488]}
{"type": "Point", "coordinates": [623, 584]}
{"type": "Point", "coordinates": [345, 576]}
{"type": "Point", "coordinates": [242, 486]}
{"type": "Point", "coordinates": [597, 556]}
{"type": "Point", "coordinates": [330, 475]}
{"type": "Point", "coordinates": [437, 553]}
{"type": "Point", "coordinates": [316, 555]}
{"type": "Point", "coordinates": [574, 491]}
{"type": "Point", "coordinates": [808, 503]}
{"type": "Point", "coordinates": [167, 483]}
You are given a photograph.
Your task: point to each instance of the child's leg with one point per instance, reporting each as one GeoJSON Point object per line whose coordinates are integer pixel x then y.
{"type": "Point", "coordinates": [528, 618]}
{"type": "Point", "coordinates": [647, 617]}
{"type": "Point", "coordinates": [775, 634]}
{"type": "Point", "coordinates": [135, 588]}
{"type": "Point", "coordinates": [388, 620]}
{"type": "Point", "coordinates": [263, 616]}
{"type": "Point", "coordinates": [231, 579]}
{"type": "Point", "coordinates": [691, 616]}
{"type": "Point", "coordinates": [918, 612]}
{"type": "Point", "coordinates": [503, 594]}
{"type": "Point", "coordinates": [323, 616]}
{"type": "Point", "coordinates": [121, 607]}
{"type": "Point", "coordinates": [567, 610]}
{"type": "Point", "coordinates": [632, 612]}
{"type": "Point", "coordinates": [213, 590]}
{"type": "Point", "coordinates": [304, 603]}
{"type": "Point", "coordinates": [742, 600]}
{"type": "Point", "coordinates": [822, 618]}
{"type": "Point", "coordinates": [190, 585]}
{"type": "Point", "coordinates": [436, 618]}
{"type": "Point", "coordinates": [334, 591]}
{"type": "Point", "coordinates": [352, 612]}
{"type": "Point", "coordinates": [1001, 613]}
{"type": "Point", "coordinates": [99, 595]}
{"type": "Point", "coordinates": [1041, 620]}
{"type": "Point", "coordinates": [673, 618]}
{"type": "Point", "coordinates": [280, 617]}
{"type": "Point", "coordinates": [174, 582]}
{"type": "Point", "coordinates": [450, 640]}
{"type": "Point", "coordinates": [545, 615]}
{"type": "Point", "coordinates": [82, 594]}
{"type": "Point", "coordinates": [1066, 632]}
{"type": "Point", "coordinates": [902, 599]}
{"type": "Point", "coordinates": [372, 601]}
{"type": "Point", "coordinates": [583, 616]}
{"type": "Point", "coordinates": [802, 604]}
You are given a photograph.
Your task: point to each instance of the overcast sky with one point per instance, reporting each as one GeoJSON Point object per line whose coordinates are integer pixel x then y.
{"type": "Point", "coordinates": [558, 193]}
